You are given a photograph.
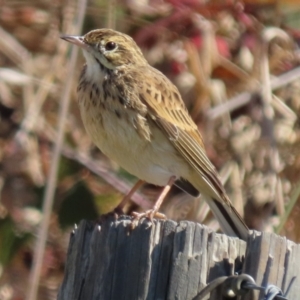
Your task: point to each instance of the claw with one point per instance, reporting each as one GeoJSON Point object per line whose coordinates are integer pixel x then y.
{"type": "Point", "coordinates": [149, 214]}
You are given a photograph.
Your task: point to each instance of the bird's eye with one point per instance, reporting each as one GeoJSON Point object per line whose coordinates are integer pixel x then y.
{"type": "Point", "coordinates": [110, 46]}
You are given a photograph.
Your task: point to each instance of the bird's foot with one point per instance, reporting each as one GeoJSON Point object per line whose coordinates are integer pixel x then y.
{"type": "Point", "coordinates": [149, 214]}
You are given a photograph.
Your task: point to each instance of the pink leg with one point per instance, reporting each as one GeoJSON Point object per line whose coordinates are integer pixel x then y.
{"type": "Point", "coordinates": [152, 213]}
{"type": "Point", "coordinates": [119, 208]}
{"type": "Point", "coordinates": [163, 194]}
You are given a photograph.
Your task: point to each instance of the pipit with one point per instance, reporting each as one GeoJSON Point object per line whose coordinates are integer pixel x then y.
{"type": "Point", "coordinates": [137, 117]}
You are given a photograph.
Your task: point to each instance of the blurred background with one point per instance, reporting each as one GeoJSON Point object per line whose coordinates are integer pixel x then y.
{"type": "Point", "coordinates": [237, 67]}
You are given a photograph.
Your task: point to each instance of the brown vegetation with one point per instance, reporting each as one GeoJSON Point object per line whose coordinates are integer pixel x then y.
{"type": "Point", "coordinates": [237, 67]}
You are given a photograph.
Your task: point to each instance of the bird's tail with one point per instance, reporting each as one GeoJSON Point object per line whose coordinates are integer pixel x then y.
{"type": "Point", "coordinates": [213, 192]}
{"type": "Point", "coordinates": [230, 221]}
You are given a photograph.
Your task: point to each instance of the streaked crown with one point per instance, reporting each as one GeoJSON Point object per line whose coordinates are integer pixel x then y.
{"type": "Point", "coordinates": [112, 48]}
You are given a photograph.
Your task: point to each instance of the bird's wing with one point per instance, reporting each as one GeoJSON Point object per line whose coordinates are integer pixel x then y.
{"type": "Point", "coordinates": [167, 109]}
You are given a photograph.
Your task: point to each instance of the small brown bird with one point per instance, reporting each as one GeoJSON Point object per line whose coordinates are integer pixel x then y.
{"type": "Point", "coordinates": [137, 117]}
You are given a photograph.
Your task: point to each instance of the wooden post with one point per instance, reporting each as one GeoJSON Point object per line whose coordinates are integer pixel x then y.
{"type": "Point", "coordinates": [170, 260]}
{"type": "Point", "coordinates": [272, 259]}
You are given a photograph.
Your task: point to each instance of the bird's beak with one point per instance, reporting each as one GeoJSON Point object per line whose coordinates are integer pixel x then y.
{"type": "Point", "coordinates": [76, 40]}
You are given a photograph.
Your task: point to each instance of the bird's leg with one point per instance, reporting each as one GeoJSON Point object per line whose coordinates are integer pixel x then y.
{"type": "Point", "coordinates": [119, 209]}
{"type": "Point", "coordinates": [152, 213]}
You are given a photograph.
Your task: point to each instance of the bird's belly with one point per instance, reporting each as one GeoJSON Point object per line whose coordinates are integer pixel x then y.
{"type": "Point", "coordinates": [154, 161]}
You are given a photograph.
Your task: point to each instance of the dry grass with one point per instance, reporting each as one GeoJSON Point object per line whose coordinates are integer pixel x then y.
{"type": "Point", "coordinates": [239, 77]}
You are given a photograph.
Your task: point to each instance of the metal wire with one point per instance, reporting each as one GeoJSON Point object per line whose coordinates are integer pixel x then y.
{"type": "Point", "coordinates": [210, 287]}
{"type": "Point", "coordinates": [239, 285]}
{"type": "Point", "coordinates": [273, 292]}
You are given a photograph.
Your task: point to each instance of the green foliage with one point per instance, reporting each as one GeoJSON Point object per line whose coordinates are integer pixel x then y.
{"type": "Point", "coordinates": [11, 240]}
{"type": "Point", "coordinates": [77, 205]}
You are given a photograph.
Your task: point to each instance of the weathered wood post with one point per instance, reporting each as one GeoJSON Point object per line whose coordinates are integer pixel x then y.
{"type": "Point", "coordinates": [170, 260]}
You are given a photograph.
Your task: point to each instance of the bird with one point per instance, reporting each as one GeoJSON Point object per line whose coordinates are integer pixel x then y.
{"type": "Point", "coordinates": [136, 116]}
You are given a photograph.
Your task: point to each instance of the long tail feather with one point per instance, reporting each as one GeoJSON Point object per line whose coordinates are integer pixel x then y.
{"type": "Point", "coordinates": [230, 221]}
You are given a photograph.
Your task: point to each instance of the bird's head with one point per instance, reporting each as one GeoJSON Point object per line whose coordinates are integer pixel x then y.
{"type": "Point", "coordinates": [112, 49]}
